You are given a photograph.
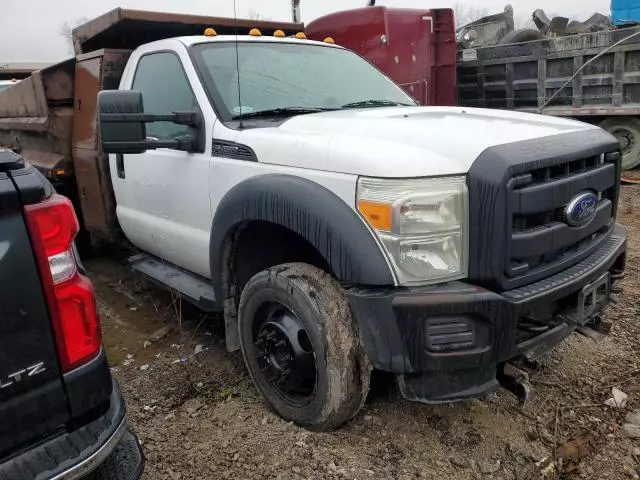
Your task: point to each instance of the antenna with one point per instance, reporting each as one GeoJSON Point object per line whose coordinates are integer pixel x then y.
{"type": "Point", "coordinates": [235, 17]}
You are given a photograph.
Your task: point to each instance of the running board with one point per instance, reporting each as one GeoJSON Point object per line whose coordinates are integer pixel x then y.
{"type": "Point", "coordinates": [193, 288]}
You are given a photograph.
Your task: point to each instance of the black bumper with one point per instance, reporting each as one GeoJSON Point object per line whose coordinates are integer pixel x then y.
{"type": "Point", "coordinates": [445, 342]}
{"type": "Point", "coordinates": [104, 448]}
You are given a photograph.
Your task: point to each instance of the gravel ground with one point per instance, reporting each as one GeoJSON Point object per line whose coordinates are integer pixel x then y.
{"type": "Point", "coordinates": [198, 415]}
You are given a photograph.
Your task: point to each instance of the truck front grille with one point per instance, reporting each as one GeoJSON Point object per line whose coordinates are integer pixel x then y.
{"type": "Point", "coordinates": [519, 233]}
{"type": "Point", "coordinates": [540, 234]}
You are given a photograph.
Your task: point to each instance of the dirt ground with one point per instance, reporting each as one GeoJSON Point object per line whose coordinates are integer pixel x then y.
{"type": "Point", "coordinates": [199, 417]}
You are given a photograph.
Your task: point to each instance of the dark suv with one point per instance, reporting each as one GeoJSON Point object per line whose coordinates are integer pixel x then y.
{"type": "Point", "coordinates": [61, 414]}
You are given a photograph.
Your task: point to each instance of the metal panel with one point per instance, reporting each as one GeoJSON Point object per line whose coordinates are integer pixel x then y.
{"type": "Point", "coordinates": [609, 85]}
{"type": "Point", "coordinates": [415, 48]}
{"type": "Point", "coordinates": [128, 29]}
{"type": "Point", "coordinates": [101, 70]}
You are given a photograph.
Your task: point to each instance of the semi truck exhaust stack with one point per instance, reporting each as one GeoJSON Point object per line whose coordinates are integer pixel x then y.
{"type": "Point", "coordinates": [295, 11]}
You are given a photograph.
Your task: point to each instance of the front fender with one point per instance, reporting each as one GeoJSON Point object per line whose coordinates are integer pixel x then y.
{"type": "Point", "coordinates": [311, 211]}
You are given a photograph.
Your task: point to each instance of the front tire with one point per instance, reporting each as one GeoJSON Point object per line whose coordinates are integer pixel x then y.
{"type": "Point", "coordinates": [301, 346]}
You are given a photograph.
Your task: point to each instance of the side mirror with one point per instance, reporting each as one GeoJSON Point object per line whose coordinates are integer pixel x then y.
{"type": "Point", "coordinates": [123, 136]}
{"type": "Point", "coordinates": [123, 124]}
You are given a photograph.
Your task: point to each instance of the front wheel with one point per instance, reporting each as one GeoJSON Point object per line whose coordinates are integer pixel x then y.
{"type": "Point", "coordinates": [301, 346]}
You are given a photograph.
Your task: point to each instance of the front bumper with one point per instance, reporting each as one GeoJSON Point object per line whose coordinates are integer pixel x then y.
{"type": "Point", "coordinates": [104, 448]}
{"type": "Point", "coordinates": [445, 342]}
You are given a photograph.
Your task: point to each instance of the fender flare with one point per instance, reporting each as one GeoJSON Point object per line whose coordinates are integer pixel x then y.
{"type": "Point", "coordinates": [308, 209]}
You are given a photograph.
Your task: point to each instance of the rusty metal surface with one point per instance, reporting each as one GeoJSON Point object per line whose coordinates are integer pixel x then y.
{"type": "Point", "coordinates": [25, 99]}
{"type": "Point", "coordinates": [128, 29]}
{"type": "Point", "coordinates": [44, 161]}
{"type": "Point", "coordinates": [58, 82]}
{"type": "Point", "coordinates": [36, 116]}
{"type": "Point", "coordinates": [88, 84]}
{"type": "Point", "coordinates": [97, 200]}
{"type": "Point", "coordinates": [97, 71]}
{"type": "Point", "coordinates": [44, 89]}
{"type": "Point", "coordinates": [49, 136]}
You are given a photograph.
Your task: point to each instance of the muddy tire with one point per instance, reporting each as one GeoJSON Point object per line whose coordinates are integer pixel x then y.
{"type": "Point", "coordinates": [301, 346]}
{"type": "Point", "coordinates": [627, 131]}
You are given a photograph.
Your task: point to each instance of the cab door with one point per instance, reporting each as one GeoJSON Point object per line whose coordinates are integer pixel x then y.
{"type": "Point", "coordinates": [163, 195]}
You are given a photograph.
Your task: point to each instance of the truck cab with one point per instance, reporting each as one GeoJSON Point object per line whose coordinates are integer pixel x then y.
{"type": "Point", "coordinates": [344, 228]}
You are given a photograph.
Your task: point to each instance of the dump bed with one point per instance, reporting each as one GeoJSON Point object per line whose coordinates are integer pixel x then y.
{"type": "Point", "coordinates": [36, 116]}
{"type": "Point", "coordinates": [128, 29]}
{"type": "Point", "coordinates": [524, 76]}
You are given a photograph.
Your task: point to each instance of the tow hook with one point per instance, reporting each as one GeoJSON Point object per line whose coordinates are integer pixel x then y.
{"type": "Point", "coordinates": [517, 382]}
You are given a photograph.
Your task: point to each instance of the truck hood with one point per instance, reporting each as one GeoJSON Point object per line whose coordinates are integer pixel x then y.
{"type": "Point", "coordinates": [397, 141]}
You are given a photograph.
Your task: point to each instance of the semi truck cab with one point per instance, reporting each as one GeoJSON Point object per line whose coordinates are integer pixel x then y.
{"type": "Point", "coordinates": [340, 227]}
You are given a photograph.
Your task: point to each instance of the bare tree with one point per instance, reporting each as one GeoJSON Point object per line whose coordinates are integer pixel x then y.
{"type": "Point", "coordinates": [465, 14]}
{"type": "Point", "coordinates": [255, 15]}
{"type": "Point", "coordinates": [66, 31]}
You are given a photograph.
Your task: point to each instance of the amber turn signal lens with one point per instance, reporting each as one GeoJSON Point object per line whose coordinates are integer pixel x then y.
{"type": "Point", "coordinates": [378, 215]}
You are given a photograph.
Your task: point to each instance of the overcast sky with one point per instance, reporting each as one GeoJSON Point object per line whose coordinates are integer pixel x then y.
{"type": "Point", "coordinates": [29, 29]}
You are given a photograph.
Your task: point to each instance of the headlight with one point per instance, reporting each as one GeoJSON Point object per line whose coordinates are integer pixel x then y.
{"type": "Point", "coordinates": [422, 224]}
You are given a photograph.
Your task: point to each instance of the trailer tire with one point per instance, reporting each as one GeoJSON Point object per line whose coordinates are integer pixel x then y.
{"type": "Point", "coordinates": [301, 346]}
{"type": "Point", "coordinates": [522, 35]}
{"type": "Point", "coordinates": [627, 131]}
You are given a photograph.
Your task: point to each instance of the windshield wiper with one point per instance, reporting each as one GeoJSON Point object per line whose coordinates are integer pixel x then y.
{"type": "Point", "coordinates": [377, 103]}
{"type": "Point", "coordinates": [284, 111]}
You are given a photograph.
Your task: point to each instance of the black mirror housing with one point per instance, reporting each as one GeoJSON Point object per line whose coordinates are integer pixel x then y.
{"type": "Point", "coordinates": [122, 125]}
{"type": "Point", "coordinates": [121, 136]}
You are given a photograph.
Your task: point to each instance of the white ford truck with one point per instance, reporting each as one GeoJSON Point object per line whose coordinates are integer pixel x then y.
{"type": "Point", "coordinates": [341, 228]}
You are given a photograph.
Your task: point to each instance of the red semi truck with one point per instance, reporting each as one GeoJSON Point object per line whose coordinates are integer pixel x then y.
{"type": "Point", "coordinates": [416, 48]}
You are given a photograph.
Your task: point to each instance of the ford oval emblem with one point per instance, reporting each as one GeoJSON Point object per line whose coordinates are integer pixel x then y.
{"type": "Point", "coordinates": [581, 209]}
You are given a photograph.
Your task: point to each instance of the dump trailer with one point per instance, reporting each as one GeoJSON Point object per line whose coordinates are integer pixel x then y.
{"type": "Point", "coordinates": [593, 77]}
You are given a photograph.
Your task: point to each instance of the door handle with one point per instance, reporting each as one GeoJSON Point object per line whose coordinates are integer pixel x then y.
{"type": "Point", "coordinates": [120, 165]}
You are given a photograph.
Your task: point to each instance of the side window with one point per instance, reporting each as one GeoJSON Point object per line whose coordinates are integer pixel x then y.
{"type": "Point", "coordinates": [165, 89]}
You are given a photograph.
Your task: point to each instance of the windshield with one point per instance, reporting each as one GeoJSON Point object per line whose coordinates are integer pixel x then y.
{"type": "Point", "coordinates": [292, 76]}
{"type": "Point", "coordinates": [4, 86]}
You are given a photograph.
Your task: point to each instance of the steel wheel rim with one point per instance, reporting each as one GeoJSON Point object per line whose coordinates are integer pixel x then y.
{"type": "Point", "coordinates": [284, 354]}
{"type": "Point", "coordinates": [625, 137]}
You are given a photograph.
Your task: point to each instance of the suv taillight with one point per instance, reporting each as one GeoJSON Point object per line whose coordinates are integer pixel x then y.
{"type": "Point", "coordinates": [53, 225]}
